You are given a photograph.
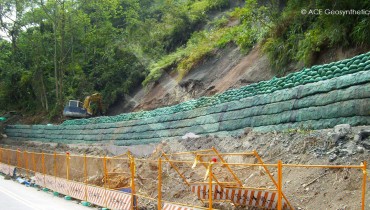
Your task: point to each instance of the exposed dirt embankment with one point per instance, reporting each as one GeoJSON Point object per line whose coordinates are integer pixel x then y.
{"type": "Point", "coordinates": [227, 68]}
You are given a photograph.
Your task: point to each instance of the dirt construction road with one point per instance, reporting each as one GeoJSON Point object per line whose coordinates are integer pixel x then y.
{"type": "Point", "coordinates": [14, 196]}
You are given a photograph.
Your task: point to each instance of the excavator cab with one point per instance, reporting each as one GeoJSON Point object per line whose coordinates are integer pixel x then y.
{"type": "Point", "coordinates": [74, 108]}
{"type": "Point", "coordinates": [91, 106]}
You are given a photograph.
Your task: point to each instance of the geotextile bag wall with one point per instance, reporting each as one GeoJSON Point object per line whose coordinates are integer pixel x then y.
{"type": "Point", "coordinates": [315, 98]}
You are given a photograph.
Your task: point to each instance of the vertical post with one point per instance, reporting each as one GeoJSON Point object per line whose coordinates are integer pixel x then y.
{"type": "Point", "coordinates": [210, 187]}
{"type": "Point", "coordinates": [85, 172]}
{"type": "Point", "coordinates": [25, 157]}
{"type": "Point", "coordinates": [43, 166]}
{"type": "Point", "coordinates": [271, 177]}
{"type": "Point", "coordinates": [227, 166]}
{"type": "Point", "coordinates": [8, 161]}
{"type": "Point", "coordinates": [1, 154]}
{"type": "Point", "coordinates": [105, 180]}
{"type": "Point", "coordinates": [132, 168]}
{"type": "Point", "coordinates": [280, 174]}
{"type": "Point", "coordinates": [55, 165]}
{"type": "Point", "coordinates": [18, 161]}
{"type": "Point", "coordinates": [159, 183]}
{"type": "Point", "coordinates": [364, 165]}
{"type": "Point", "coordinates": [68, 164]}
{"type": "Point", "coordinates": [33, 162]}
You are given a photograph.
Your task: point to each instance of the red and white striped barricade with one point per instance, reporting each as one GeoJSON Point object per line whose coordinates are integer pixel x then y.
{"type": "Point", "coordinates": [96, 195]}
{"type": "Point", "coordinates": [39, 179]}
{"type": "Point", "coordinates": [77, 190]}
{"type": "Point", "coordinates": [170, 206]}
{"type": "Point", "coordinates": [2, 168]}
{"type": "Point", "coordinates": [62, 186]}
{"type": "Point", "coordinates": [50, 182]}
{"type": "Point", "coordinates": [246, 197]}
{"type": "Point", "coordinates": [7, 169]}
{"type": "Point", "coordinates": [118, 200]}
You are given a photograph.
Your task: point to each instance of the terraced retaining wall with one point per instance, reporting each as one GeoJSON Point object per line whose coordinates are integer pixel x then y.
{"type": "Point", "coordinates": [320, 97]}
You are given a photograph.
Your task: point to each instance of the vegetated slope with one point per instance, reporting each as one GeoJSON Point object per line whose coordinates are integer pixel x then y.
{"type": "Point", "coordinates": [228, 68]}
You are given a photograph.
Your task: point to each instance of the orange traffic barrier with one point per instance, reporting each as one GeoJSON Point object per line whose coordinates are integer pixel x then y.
{"type": "Point", "coordinates": [52, 172]}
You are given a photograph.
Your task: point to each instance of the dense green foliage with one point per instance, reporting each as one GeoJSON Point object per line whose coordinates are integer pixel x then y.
{"type": "Point", "coordinates": [300, 37]}
{"type": "Point", "coordinates": [250, 29]}
{"type": "Point", "coordinates": [55, 50]}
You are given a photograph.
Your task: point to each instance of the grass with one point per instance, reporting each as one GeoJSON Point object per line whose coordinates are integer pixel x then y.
{"type": "Point", "coordinates": [205, 42]}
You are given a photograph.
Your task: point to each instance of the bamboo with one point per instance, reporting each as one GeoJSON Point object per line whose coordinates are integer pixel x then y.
{"type": "Point", "coordinates": [364, 165]}
{"type": "Point", "coordinates": [280, 174]}
{"type": "Point", "coordinates": [228, 167]}
{"type": "Point", "coordinates": [159, 183]}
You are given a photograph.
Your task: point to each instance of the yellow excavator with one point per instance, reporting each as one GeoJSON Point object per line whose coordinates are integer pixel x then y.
{"type": "Point", "coordinates": [92, 106]}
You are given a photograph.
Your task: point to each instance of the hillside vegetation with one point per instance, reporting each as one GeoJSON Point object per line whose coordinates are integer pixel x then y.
{"type": "Point", "coordinates": [53, 50]}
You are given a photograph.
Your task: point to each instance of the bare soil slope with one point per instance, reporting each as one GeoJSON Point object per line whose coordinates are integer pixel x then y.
{"type": "Point", "coordinates": [227, 68]}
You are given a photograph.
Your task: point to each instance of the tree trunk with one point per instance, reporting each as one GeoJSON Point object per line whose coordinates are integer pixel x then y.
{"type": "Point", "coordinates": [55, 64]}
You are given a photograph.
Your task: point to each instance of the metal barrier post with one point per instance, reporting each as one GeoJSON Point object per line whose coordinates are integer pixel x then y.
{"type": "Point", "coordinates": [210, 187]}
{"type": "Point", "coordinates": [8, 161]}
{"type": "Point", "coordinates": [18, 161]}
{"type": "Point", "coordinates": [271, 177]}
{"type": "Point", "coordinates": [105, 179]}
{"type": "Point", "coordinates": [280, 174]}
{"type": "Point", "coordinates": [176, 169]}
{"type": "Point", "coordinates": [67, 161]}
{"type": "Point", "coordinates": [132, 168]}
{"type": "Point", "coordinates": [25, 157]}
{"type": "Point", "coordinates": [227, 166]}
{"type": "Point", "coordinates": [159, 183]}
{"type": "Point", "coordinates": [85, 175]}
{"type": "Point", "coordinates": [364, 165]}
{"type": "Point", "coordinates": [43, 166]}
{"type": "Point", "coordinates": [55, 166]}
{"type": "Point", "coordinates": [33, 162]}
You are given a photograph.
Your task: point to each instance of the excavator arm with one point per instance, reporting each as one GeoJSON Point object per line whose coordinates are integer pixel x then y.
{"type": "Point", "coordinates": [93, 104]}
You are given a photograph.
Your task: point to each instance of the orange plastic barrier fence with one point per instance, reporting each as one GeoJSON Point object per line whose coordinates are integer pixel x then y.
{"type": "Point", "coordinates": [58, 179]}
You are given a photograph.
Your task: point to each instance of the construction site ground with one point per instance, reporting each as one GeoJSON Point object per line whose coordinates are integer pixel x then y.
{"type": "Point", "coordinates": [305, 188]}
